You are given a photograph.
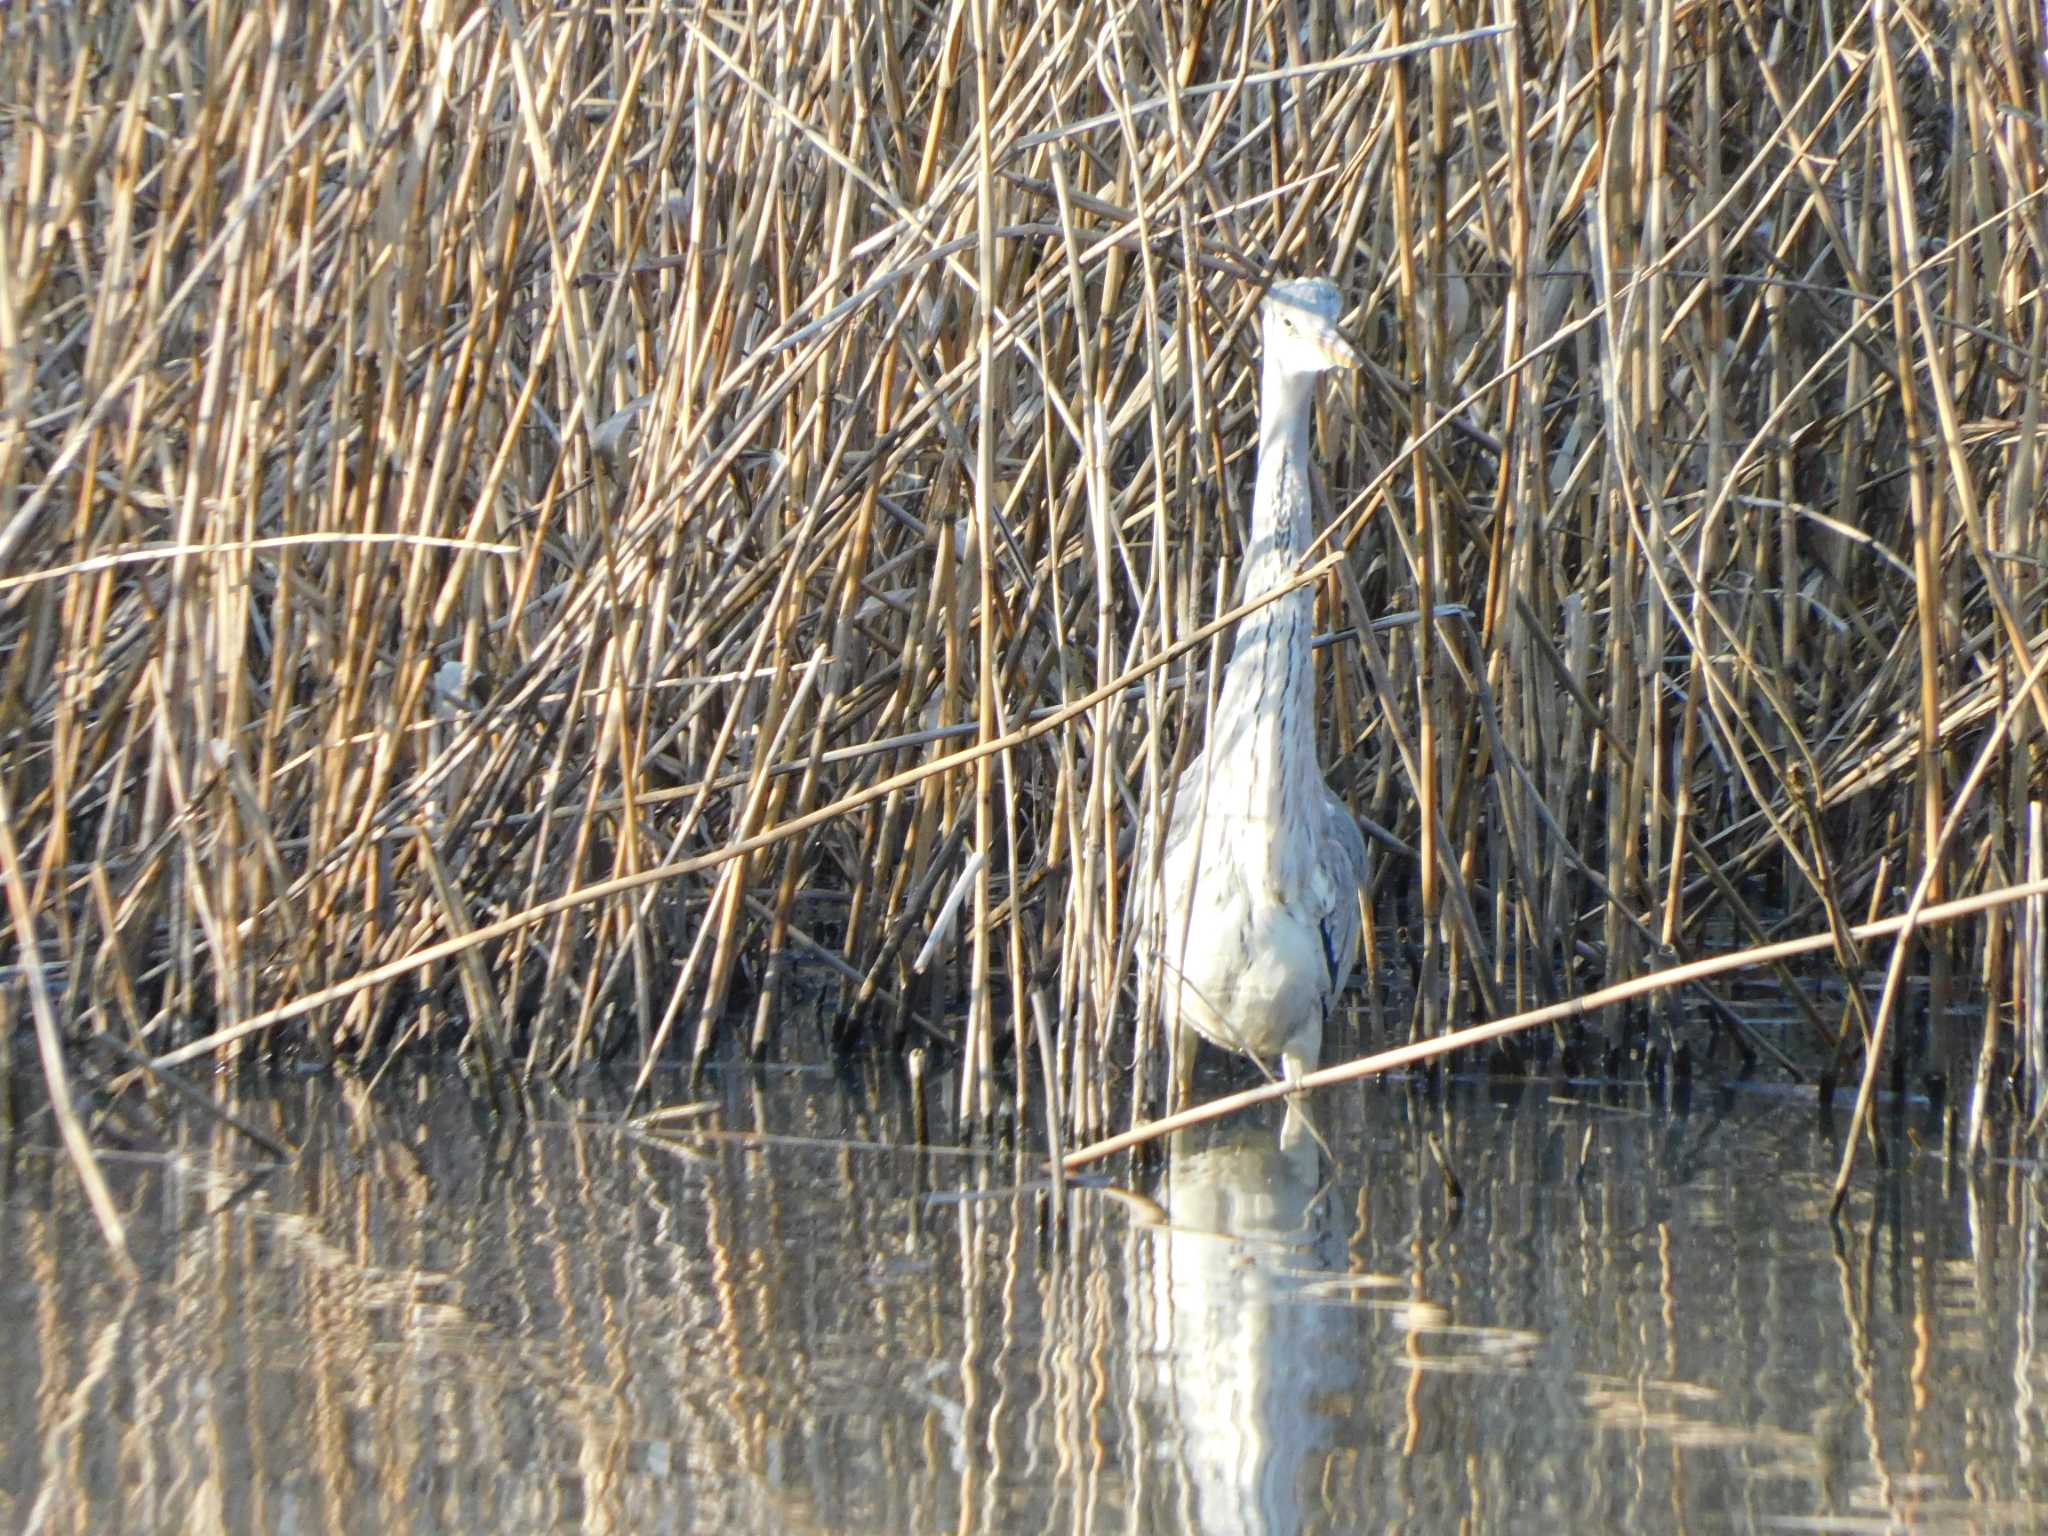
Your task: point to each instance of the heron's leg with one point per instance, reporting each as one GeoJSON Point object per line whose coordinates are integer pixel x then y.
{"type": "Point", "coordinates": [1296, 1129]}
{"type": "Point", "coordinates": [1303, 1052]}
{"type": "Point", "coordinates": [1293, 1068]}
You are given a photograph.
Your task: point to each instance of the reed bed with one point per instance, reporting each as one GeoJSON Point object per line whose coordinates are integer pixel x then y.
{"type": "Point", "coordinates": [566, 533]}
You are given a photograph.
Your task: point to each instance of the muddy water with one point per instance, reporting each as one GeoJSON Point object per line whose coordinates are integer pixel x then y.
{"type": "Point", "coordinates": [774, 1318]}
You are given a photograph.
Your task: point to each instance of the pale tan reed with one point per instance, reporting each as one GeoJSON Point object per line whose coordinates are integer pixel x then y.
{"type": "Point", "coordinates": [570, 531]}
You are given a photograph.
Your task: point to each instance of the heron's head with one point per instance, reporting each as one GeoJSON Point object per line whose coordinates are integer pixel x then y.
{"type": "Point", "coordinates": [1300, 321]}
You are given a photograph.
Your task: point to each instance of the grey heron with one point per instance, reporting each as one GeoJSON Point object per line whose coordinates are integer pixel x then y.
{"type": "Point", "coordinates": [1249, 918]}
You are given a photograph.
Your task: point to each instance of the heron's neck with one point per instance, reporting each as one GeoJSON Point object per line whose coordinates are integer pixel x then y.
{"type": "Point", "coordinates": [1264, 735]}
{"type": "Point", "coordinates": [1280, 499]}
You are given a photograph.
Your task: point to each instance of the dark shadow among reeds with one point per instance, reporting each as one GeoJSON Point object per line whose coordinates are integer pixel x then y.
{"type": "Point", "coordinates": [579, 539]}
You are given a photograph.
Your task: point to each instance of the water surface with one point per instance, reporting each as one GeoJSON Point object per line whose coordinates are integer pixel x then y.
{"type": "Point", "coordinates": [776, 1318]}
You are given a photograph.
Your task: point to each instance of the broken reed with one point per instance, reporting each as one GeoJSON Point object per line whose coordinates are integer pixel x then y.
{"type": "Point", "coordinates": [519, 530]}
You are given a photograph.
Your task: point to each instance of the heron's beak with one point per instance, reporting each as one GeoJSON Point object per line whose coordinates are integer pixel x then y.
{"type": "Point", "coordinates": [1337, 352]}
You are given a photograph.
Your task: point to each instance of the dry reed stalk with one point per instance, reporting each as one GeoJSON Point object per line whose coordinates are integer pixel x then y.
{"type": "Point", "coordinates": [615, 501]}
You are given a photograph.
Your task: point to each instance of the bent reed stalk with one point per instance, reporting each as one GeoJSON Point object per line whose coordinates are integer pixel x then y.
{"type": "Point", "coordinates": [522, 532]}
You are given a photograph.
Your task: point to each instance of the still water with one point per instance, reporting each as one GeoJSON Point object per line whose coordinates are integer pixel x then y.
{"type": "Point", "coordinates": [771, 1316]}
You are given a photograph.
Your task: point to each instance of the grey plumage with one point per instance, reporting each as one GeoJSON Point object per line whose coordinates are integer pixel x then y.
{"type": "Point", "coordinates": [1249, 919]}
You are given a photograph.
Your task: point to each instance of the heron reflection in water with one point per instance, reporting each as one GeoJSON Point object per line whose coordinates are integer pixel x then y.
{"type": "Point", "coordinates": [1246, 1359]}
{"type": "Point", "coordinates": [1249, 917]}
